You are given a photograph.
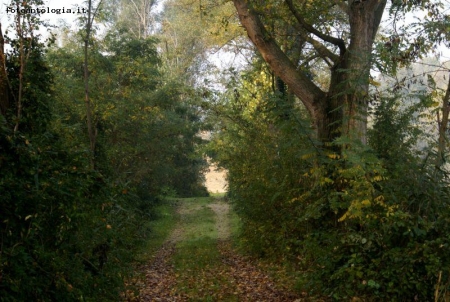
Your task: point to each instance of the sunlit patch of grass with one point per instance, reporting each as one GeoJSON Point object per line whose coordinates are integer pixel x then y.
{"type": "Point", "coordinates": [218, 195]}
{"type": "Point", "coordinates": [199, 225]}
{"type": "Point", "coordinates": [195, 201]}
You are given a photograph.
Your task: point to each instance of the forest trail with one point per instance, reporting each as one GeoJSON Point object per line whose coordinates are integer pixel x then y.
{"type": "Point", "coordinates": [198, 263]}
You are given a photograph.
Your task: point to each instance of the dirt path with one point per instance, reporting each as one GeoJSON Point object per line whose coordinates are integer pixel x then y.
{"type": "Point", "coordinates": [249, 282]}
{"type": "Point", "coordinates": [159, 283]}
{"type": "Point", "coordinates": [227, 277]}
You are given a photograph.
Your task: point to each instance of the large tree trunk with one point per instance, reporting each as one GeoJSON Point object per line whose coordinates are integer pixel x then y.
{"type": "Point", "coordinates": [364, 19]}
{"type": "Point", "coordinates": [342, 110]}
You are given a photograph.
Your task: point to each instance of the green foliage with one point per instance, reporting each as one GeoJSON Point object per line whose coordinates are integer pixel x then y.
{"type": "Point", "coordinates": [395, 248]}
{"type": "Point", "coordinates": [66, 233]}
{"type": "Point", "coordinates": [263, 170]}
{"type": "Point", "coordinates": [147, 128]}
{"type": "Point", "coordinates": [36, 113]}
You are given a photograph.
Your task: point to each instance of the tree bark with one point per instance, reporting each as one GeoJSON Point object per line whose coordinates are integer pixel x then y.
{"type": "Point", "coordinates": [364, 19]}
{"type": "Point", "coordinates": [92, 131]}
{"type": "Point", "coordinates": [443, 127]}
{"type": "Point", "coordinates": [20, 34]}
{"type": "Point", "coordinates": [87, 100]}
{"type": "Point", "coordinates": [342, 110]}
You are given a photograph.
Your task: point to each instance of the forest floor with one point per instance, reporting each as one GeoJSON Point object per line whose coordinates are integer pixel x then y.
{"type": "Point", "coordinates": [198, 261]}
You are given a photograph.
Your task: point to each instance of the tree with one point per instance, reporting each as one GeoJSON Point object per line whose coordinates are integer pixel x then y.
{"type": "Point", "coordinates": [135, 16]}
{"type": "Point", "coordinates": [145, 123]}
{"type": "Point", "coordinates": [342, 109]}
{"type": "Point", "coordinates": [24, 26]}
{"type": "Point", "coordinates": [92, 131]}
{"type": "Point", "coordinates": [422, 93]}
{"type": "Point", "coordinates": [4, 89]}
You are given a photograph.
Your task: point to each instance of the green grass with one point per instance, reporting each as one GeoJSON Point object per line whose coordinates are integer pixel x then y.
{"type": "Point", "coordinates": [198, 221]}
{"type": "Point", "coordinates": [235, 224]}
{"type": "Point", "coordinates": [200, 236]}
{"type": "Point", "coordinates": [197, 260]}
{"type": "Point", "coordinates": [165, 220]}
{"type": "Point", "coordinates": [220, 195]}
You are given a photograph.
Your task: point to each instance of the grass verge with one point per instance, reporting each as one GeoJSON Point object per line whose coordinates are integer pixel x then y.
{"type": "Point", "coordinates": [161, 226]}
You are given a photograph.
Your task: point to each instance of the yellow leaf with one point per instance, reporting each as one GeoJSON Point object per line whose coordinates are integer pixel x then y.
{"type": "Point", "coordinates": [306, 156]}
{"type": "Point", "coordinates": [374, 83]}
{"type": "Point", "coordinates": [379, 198]}
{"type": "Point", "coordinates": [327, 180]}
{"type": "Point", "coordinates": [343, 217]}
{"type": "Point", "coordinates": [365, 202]}
{"type": "Point", "coordinates": [334, 156]}
{"type": "Point", "coordinates": [377, 178]}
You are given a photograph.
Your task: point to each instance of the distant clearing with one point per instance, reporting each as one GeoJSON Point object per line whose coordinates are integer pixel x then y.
{"type": "Point", "coordinates": [216, 179]}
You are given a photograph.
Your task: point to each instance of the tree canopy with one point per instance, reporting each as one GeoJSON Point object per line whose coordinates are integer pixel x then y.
{"type": "Point", "coordinates": [341, 34]}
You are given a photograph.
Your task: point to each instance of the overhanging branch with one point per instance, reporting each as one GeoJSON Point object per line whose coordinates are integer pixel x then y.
{"type": "Point", "coordinates": [335, 41]}
{"type": "Point", "coordinates": [322, 50]}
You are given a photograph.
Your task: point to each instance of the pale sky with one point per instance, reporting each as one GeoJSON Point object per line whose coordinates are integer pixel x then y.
{"type": "Point", "coordinates": [59, 4]}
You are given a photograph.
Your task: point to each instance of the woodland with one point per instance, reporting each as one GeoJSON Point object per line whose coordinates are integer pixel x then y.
{"type": "Point", "coordinates": [330, 117]}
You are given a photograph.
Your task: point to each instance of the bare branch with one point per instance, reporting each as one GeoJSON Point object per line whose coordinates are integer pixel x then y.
{"type": "Point", "coordinates": [95, 12]}
{"type": "Point", "coordinates": [443, 126]}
